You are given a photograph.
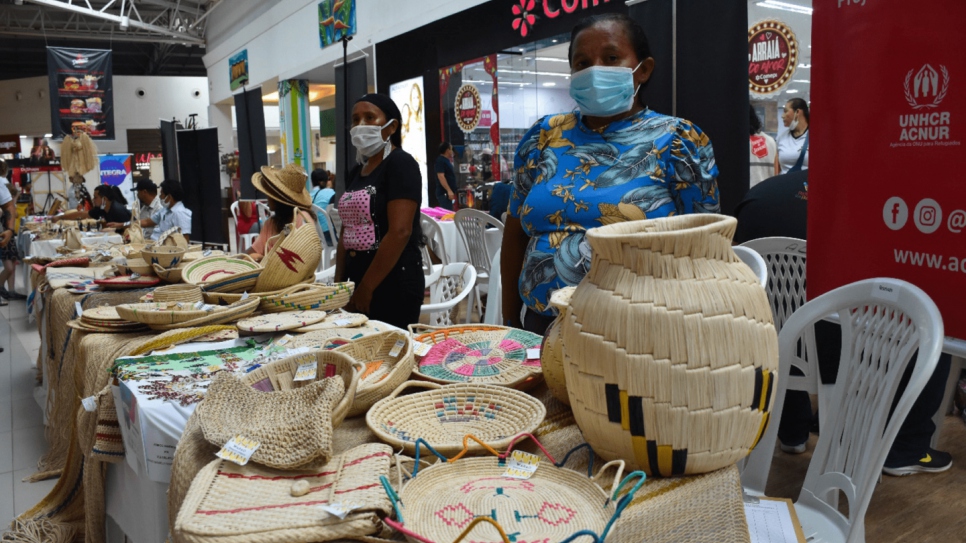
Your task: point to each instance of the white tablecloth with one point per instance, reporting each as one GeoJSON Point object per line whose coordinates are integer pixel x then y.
{"type": "Point", "coordinates": [453, 243]}
{"type": "Point", "coordinates": [48, 248]}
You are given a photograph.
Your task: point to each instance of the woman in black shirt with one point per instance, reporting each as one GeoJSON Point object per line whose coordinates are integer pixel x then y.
{"type": "Point", "coordinates": [379, 247]}
{"type": "Point", "coordinates": [109, 204]}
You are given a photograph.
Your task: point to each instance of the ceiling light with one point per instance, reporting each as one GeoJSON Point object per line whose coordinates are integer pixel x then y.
{"type": "Point", "coordinates": [555, 41]}
{"type": "Point", "coordinates": [549, 84]}
{"type": "Point", "coordinates": [48, 135]}
{"type": "Point", "coordinates": [791, 91]}
{"type": "Point", "coordinates": [785, 6]}
{"type": "Point", "coordinates": [552, 59]}
{"type": "Point", "coordinates": [530, 72]}
{"type": "Point", "coordinates": [800, 81]}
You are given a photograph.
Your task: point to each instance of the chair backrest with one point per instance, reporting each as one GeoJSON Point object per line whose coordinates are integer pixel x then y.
{"type": "Point", "coordinates": [264, 211]}
{"type": "Point", "coordinates": [754, 261]}
{"type": "Point", "coordinates": [333, 217]}
{"type": "Point", "coordinates": [471, 224]}
{"type": "Point", "coordinates": [884, 321]}
{"type": "Point", "coordinates": [785, 258]}
{"type": "Point", "coordinates": [434, 237]}
{"type": "Point", "coordinates": [328, 222]}
{"type": "Point", "coordinates": [234, 211]}
{"type": "Point", "coordinates": [494, 294]}
{"type": "Point", "coordinates": [453, 286]}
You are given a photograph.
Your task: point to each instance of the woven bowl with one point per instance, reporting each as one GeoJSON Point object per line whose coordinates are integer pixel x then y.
{"type": "Point", "coordinates": [160, 313]}
{"type": "Point", "coordinates": [214, 268]}
{"type": "Point", "coordinates": [278, 376]}
{"type": "Point", "coordinates": [240, 282]}
{"type": "Point", "coordinates": [178, 293]}
{"type": "Point", "coordinates": [482, 354]}
{"type": "Point", "coordinates": [309, 296]}
{"type": "Point", "coordinates": [140, 267]}
{"type": "Point", "coordinates": [292, 260]}
{"type": "Point", "coordinates": [224, 298]}
{"type": "Point", "coordinates": [383, 372]}
{"type": "Point", "coordinates": [171, 275]}
{"type": "Point", "coordinates": [164, 256]}
{"type": "Point", "coordinates": [445, 414]}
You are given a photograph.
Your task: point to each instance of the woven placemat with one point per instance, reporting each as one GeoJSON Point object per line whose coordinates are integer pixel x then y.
{"type": "Point", "coordinates": [483, 354]}
{"type": "Point", "coordinates": [280, 322]}
{"type": "Point", "coordinates": [340, 319]}
{"type": "Point", "coordinates": [103, 313]}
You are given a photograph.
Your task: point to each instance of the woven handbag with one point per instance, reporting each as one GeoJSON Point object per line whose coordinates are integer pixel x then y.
{"type": "Point", "coordinates": [443, 415]}
{"type": "Point", "coordinates": [387, 365]}
{"type": "Point", "coordinates": [293, 258]}
{"type": "Point", "coordinates": [552, 504]}
{"type": "Point", "coordinates": [178, 293]}
{"type": "Point", "coordinates": [293, 427]}
{"type": "Point", "coordinates": [309, 296]}
{"type": "Point", "coordinates": [279, 376]}
{"type": "Point", "coordinates": [476, 353]}
{"type": "Point", "coordinates": [227, 503]}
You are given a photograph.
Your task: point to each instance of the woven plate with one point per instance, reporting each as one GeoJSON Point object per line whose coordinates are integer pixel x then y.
{"type": "Point", "coordinates": [103, 313]}
{"type": "Point", "coordinates": [339, 319]}
{"type": "Point", "coordinates": [482, 354]}
{"type": "Point", "coordinates": [386, 366]}
{"type": "Point", "coordinates": [160, 312]}
{"type": "Point", "coordinates": [309, 296]}
{"type": "Point", "coordinates": [552, 505]}
{"type": "Point", "coordinates": [321, 338]}
{"type": "Point", "coordinates": [444, 415]}
{"type": "Point", "coordinates": [77, 324]}
{"type": "Point", "coordinates": [280, 322]}
{"type": "Point", "coordinates": [193, 255]}
{"type": "Point", "coordinates": [214, 268]}
{"type": "Point", "coordinates": [124, 282]}
{"type": "Point", "coordinates": [222, 315]}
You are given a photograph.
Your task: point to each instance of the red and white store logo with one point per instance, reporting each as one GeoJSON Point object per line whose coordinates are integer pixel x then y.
{"type": "Point", "coordinates": [759, 147]}
{"type": "Point", "coordinates": [79, 60]}
{"type": "Point", "coordinates": [926, 85]}
{"type": "Point", "coordinates": [525, 12]}
{"type": "Point", "coordinates": [924, 90]}
{"type": "Point", "coordinates": [468, 108]}
{"type": "Point", "coordinates": [772, 56]}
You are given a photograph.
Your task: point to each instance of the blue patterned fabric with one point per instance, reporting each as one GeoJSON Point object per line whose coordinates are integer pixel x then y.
{"type": "Point", "coordinates": [571, 178]}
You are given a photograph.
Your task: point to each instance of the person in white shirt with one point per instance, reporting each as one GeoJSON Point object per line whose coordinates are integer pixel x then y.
{"type": "Point", "coordinates": [147, 193]}
{"type": "Point", "coordinates": [763, 151]}
{"type": "Point", "coordinates": [8, 242]}
{"type": "Point", "coordinates": [793, 143]}
{"type": "Point", "coordinates": [173, 212]}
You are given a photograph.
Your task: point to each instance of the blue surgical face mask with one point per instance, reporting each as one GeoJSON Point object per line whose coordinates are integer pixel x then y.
{"type": "Point", "coordinates": [604, 91]}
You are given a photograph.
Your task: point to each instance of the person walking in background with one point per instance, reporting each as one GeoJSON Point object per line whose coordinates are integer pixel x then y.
{"type": "Point", "coordinates": [446, 176]}
{"type": "Point", "coordinates": [322, 194]}
{"type": "Point", "coordinates": [793, 143]}
{"type": "Point", "coordinates": [8, 241]}
{"type": "Point", "coordinates": [763, 150]}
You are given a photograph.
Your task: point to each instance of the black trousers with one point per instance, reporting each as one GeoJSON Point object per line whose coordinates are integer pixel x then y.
{"type": "Point", "coordinates": [398, 298]}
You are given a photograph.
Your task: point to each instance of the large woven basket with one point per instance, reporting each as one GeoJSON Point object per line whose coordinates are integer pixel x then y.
{"type": "Point", "coordinates": [178, 293]}
{"type": "Point", "coordinates": [278, 376]}
{"type": "Point", "coordinates": [292, 260]}
{"type": "Point", "coordinates": [669, 350]}
{"type": "Point", "coordinates": [227, 503]}
{"type": "Point", "coordinates": [443, 415]}
{"type": "Point", "coordinates": [214, 268]}
{"type": "Point", "coordinates": [293, 427]}
{"type": "Point", "coordinates": [309, 296]}
{"type": "Point", "coordinates": [383, 372]}
{"type": "Point", "coordinates": [552, 505]}
{"type": "Point", "coordinates": [477, 353]}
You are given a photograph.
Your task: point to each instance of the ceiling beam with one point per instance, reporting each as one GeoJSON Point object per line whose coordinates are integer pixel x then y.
{"type": "Point", "coordinates": [180, 37]}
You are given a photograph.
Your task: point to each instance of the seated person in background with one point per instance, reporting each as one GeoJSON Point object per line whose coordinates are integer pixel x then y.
{"type": "Point", "coordinates": [109, 205]}
{"type": "Point", "coordinates": [286, 192]}
{"type": "Point", "coordinates": [500, 200]}
{"type": "Point", "coordinates": [173, 212]}
{"type": "Point", "coordinates": [779, 207]}
{"type": "Point", "coordinates": [147, 194]}
{"type": "Point", "coordinates": [322, 194]}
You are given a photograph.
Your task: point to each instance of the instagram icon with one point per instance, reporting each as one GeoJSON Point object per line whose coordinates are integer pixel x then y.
{"type": "Point", "coordinates": [928, 216]}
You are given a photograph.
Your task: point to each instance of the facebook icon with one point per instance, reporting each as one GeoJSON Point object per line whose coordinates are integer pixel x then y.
{"type": "Point", "coordinates": [895, 213]}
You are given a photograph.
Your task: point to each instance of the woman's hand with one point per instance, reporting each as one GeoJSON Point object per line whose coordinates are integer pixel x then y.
{"type": "Point", "coordinates": [361, 299]}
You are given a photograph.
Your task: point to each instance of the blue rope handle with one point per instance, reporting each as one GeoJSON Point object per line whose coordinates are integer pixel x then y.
{"type": "Point", "coordinates": [590, 454]}
{"type": "Point", "coordinates": [393, 497]}
{"type": "Point", "coordinates": [423, 442]}
{"type": "Point", "coordinates": [582, 533]}
{"type": "Point", "coordinates": [625, 500]}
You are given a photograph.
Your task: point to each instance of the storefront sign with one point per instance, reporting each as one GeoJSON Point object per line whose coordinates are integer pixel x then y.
{"type": "Point", "coordinates": [9, 144]}
{"type": "Point", "coordinates": [468, 108]}
{"type": "Point", "coordinates": [238, 65]}
{"type": "Point", "coordinates": [902, 205]}
{"type": "Point", "coordinates": [337, 19]}
{"type": "Point", "coordinates": [772, 56]}
{"type": "Point", "coordinates": [116, 171]}
{"type": "Point", "coordinates": [81, 97]}
{"type": "Point", "coordinates": [526, 13]}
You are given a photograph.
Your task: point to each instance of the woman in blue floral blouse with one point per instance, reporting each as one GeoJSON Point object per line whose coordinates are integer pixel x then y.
{"type": "Point", "coordinates": [611, 160]}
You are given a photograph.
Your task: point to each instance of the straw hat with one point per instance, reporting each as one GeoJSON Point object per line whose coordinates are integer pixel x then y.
{"type": "Point", "coordinates": [286, 185]}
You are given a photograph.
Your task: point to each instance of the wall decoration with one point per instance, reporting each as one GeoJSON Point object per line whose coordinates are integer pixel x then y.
{"type": "Point", "coordinates": [408, 96]}
{"type": "Point", "coordinates": [468, 108]}
{"type": "Point", "coordinates": [772, 56]}
{"type": "Point", "coordinates": [116, 171]}
{"type": "Point", "coordinates": [238, 66]}
{"type": "Point", "coordinates": [337, 19]}
{"type": "Point", "coordinates": [81, 96]}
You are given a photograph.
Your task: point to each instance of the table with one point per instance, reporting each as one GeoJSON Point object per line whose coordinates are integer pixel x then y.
{"type": "Point", "coordinates": [453, 243]}
{"type": "Point", "coordinates": [29, 247]}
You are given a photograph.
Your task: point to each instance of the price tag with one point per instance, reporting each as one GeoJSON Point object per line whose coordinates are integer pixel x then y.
{"type": "Point", "coordinates": [340, 509]}
{"type": "Point", "coordinates": [533, 354]}
{"type": "Point", "coordinates": [90, 404]}
{"type": "Point", "coordinates": [307, 371]}
{"type": "Point", "coordinates": [206, 252]}
{"type": "Point", "coordinates": [244, 296]}
{"type": "Point", "coordinates": [420, 348]}
{"type": "Point", "coordinates": [238, 450]}
{"type": "Point", "coordinates": [521, 465]}
{"type": "Point", "coordinates": [135, 276]}
{"type": "Point", "coordinates": [284, 340]}
{"type": "Point", "coordinates": [78, 309]}
{"type": "Point", "coordinates": [343, 322]}
{"type": "Point", "coordinates": [397, 348]}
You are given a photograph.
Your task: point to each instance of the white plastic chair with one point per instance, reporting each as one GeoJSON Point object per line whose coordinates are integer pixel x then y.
{"type": "Point", "coordinates": [785, 258]}
{"type": "Point", "coordinates": [453, 286]}
{"type": "Point", "coordinates": [245, 240]}
{"type": "Point", "coordinates": [754, 261]}
{"type": "Point", "coordinates": [471, 225]}
{"type": "Point", "coordinates": [325, 276]}
{"type": "Point", "coordinates": [434, 237]}
{"type": "Point", "coordinates": [328, 251]}
{"type": "Point", "coordinates": [494, 294]}
{"type": "Point", "coordinates": [883, 322]}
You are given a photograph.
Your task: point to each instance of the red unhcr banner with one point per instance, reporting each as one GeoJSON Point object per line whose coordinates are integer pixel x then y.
{"type": "Point", "coordinates": [887, 194]}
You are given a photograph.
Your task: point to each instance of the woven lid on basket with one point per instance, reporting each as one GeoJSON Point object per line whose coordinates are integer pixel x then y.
{"type": "Point", "coordinates": [337, 319]}
{"type": "Point", "coordinates": [292, 260]}
{"type": "Point", "coordinates": [214, 268]}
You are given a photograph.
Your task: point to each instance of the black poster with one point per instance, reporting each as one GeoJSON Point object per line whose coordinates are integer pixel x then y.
{"type": "Point", "coordinates": [200, 173]}
{"type": "Point", "coordinates": [345, 154]}
{"type": "Point", "coordinates": [81, 92]}
{"type": "Point", "coordinates": [252, 144]}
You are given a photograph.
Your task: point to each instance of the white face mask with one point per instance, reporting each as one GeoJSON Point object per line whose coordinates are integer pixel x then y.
{"type": "Point", "coordinates": [367, 139]}
{"type": "Point", "coordinates": [793, 125]}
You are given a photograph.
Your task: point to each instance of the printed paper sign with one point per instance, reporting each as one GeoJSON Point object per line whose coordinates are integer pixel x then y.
{"type": "Point", "coordinates": [90, 404]}
{"type": "Point", "coordinates": [307, 371]}
{"type": "Point", "coordinates": [521, 465]}
{"type": "Point", "coordinates": [239, 450]}
{"type": "Point", "coordinates": [420, 348]}
{"type": "Point", "coordinates": [397, 348]}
